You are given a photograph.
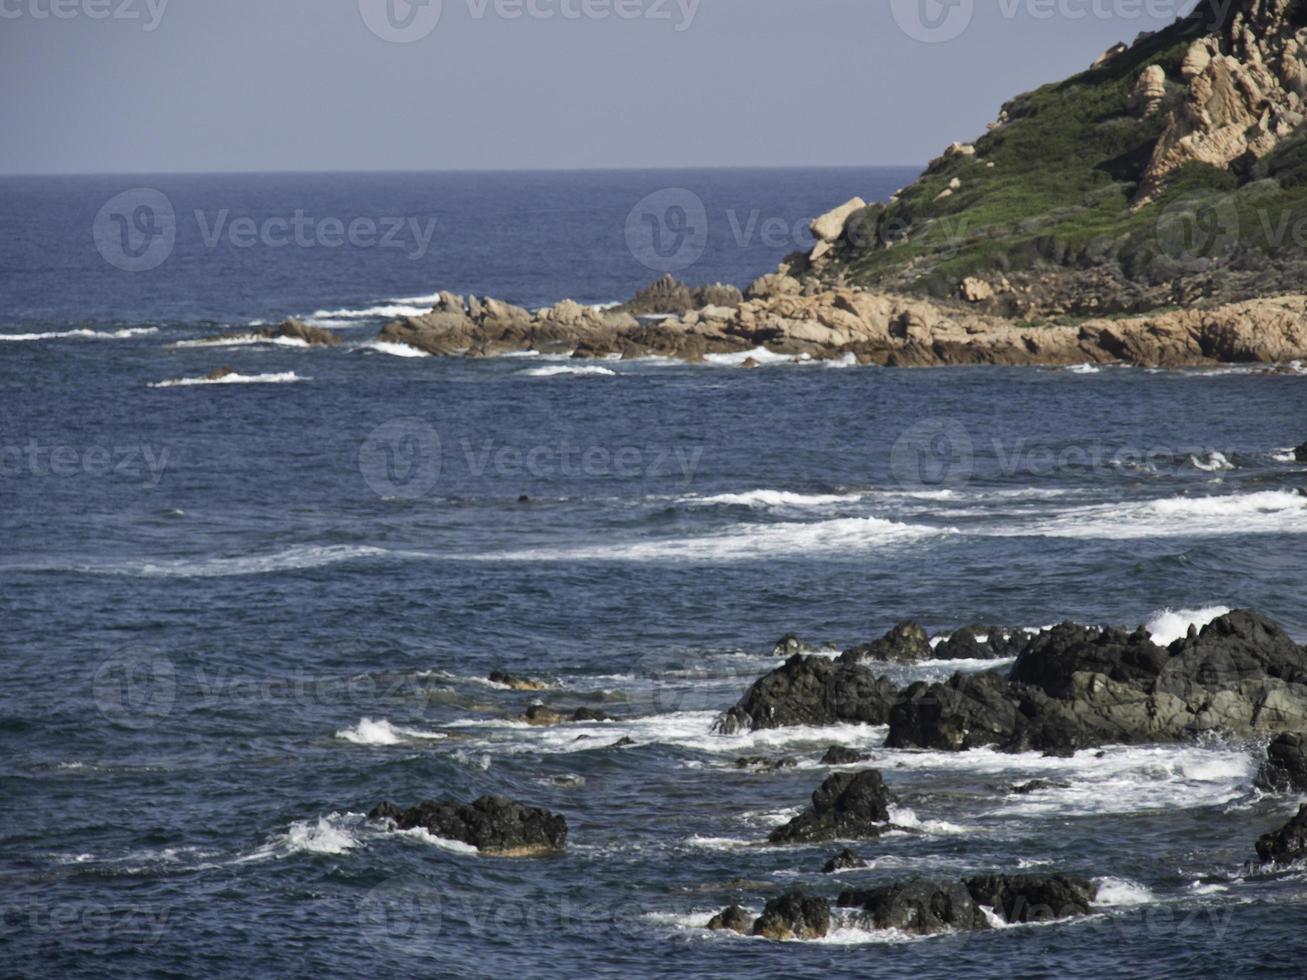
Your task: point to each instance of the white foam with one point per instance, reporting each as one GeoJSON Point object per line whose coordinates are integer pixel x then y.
{"type": "Point", "coordinates": [1214, 463]}
{"type": "Point", "coordinates": [1264, 512]}
{"type": "Point", "coordinates": [285, 377]}
{"type": "Point", "coordinates": [123, 334]}
{"type": "Point", "coordinates": [1169, 625]}
{"type": "Point", "coordinates": [1287, 455]}
{"type": "Point", "coordinates": [336, 833]}
{"type": "Point", "coordinates": [760, 354]}
{"type": "Point", "coordinates": [557, 370]}
{"type": "Point", "coordinates": [290, 559]}
{"type": "Point", "coordinates": [393, 349]}
{"type": "Point", "coordinates": [773, 498]}
{"type": "Point", "coordinates": [369, 732]}
{"type": "Point", "coordinates": [1084, 369]}
{"type": "Point", "coordinates": [242, 340]}
{"type": "Point", "coordinates": [383, 311]}
{"type": "Point", "coordinates": [424, 836]}
{"type": "Point", "coordinates": [744, 542]}
{"type": "Point", "coordinates": [1120, 892]}
{"type": "Point", "coordinates": [905, 817]}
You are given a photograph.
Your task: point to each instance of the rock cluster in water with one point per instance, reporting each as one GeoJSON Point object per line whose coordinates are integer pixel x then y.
{"type": "Point", "coordinates": [1072, 687]}
{"type": "Point", "coordinates": [494, 825]}
{"type": "Point", "coordinates": [847, 806]}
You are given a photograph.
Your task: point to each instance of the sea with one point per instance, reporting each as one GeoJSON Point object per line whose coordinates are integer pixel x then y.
{"type": "Point", "coordinates": [236, 615]}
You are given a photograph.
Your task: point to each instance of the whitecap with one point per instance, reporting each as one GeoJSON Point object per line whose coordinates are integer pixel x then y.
{"type": "Point", "coordinates": [393, 349]}
{"type": "Point", "coordinates": [369, 732]}
{"type": "Point", "coordinates": [1214, 463]}
{"type": "Point", "coordinates": [290, 559]}
{"type": "Point", "coordinates": [761, 355]}
{"type": "Point", "coordinates": [1121, 892]}
{"type": "Point", "coordinates": [242, 340]}
{"type": "Point", "coordinates": [557, 370]}
{"type": "Point", "coordinates": [1083, 369]}
{"type": "Point", "coordinates": [336, 833]}
{"type": "Point", "coordinates": [123, 334]}
{"type": "Point", "coordinates": [902, 816]}
{"type": "Point", "coordinates": [1263, 512]}
{"type": "Point", "coordinates": [285, 377]}
{"type": "Point", "coordinates": [382, 311]}
{"type": "Point", "coordinates": [772, 498]}
{"type": "Point", "coordinates": [1169, 625]}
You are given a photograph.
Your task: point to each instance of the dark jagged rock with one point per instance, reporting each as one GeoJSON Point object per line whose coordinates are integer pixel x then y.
{"type": "Point", "coordinates": [1038, 786]}
{"type": "Point", "coordinates": [811, 691]}
{"type": "Point", "coordinates": [1286, 845]}
{"type": "Point", "coordinates": [1075, 687]}
{"type": "Point", "coordinates": [625, 742]}
{"type": "Point", "coordinates": [967, 644]}
{"type": "Point", "coordinates": [925, 907]}
{"type": "Point", "coordinates": [1033, 898]}
{"type": "Point", "coordinates": [905, 643]}
{"type": "Point", "coordinates": [921, 907]}
{"type": "Point", "coordinates": [732, 919]}
{"type": "Point", "coordinates": [788, 646]}
{"type": "Point", "coordinates": [764, 764]}
{"type": "Point", "coordinates": [845, 860]}
{"type": "Point", "coordinates": [847, 806]}
{"type": "Point", "coordinates": [493, 825]}
{"type": "Point", "coordinates": [1285, 769]}
{"type": "Point", "coordinates": [539, 714]}
{"type": "Point", "coordinates": [1300, 454]}
{"type": "Point", "coordinates": [517, 683]}
{"type": "Point", "coordinates": [670, 296]}
{"type": "Point", "coordinates": [839, 755]}
{"type": "Point", "coordinates": [794, 916]}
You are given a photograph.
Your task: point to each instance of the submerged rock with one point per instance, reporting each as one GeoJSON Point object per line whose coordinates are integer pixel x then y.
{"type": "Point", "coordinates": [1286, 845]}
{"type": "Point", "coordinates": [539, 714]}
{"type": "Point", "coordinates": [905, 643]}
{"type": "Point", "coordinates": [217, 374]}
{"type": "Point", "coordinates": [839, 755]}
{"type": "Point", "coordinates": [811, 691]}
{"type": "Point", "coordinates": [290, 330]}
{"type": "Point", "coordinates": [1300, 454]}
{"type": "Point", "coordinates": [732, 919]}
{"type": "Point", "coordinates": [764, 764]}
{"type": "Point", "coordinates": [517, 683]}
{"type": "Point", "coordinates": [1285, 769]}
{"type": "Point", "coordinates": [924, 907]}
{"type": "Point", "coordinates": [794, 916]}
{"type": "Point", "coordinates": [845, 860]}
{"type": "Point", "coordinates": [494, 825]}
{"type": "Point", "coordinates": [847, 806]}
{"type": "Point", "coordinates": [1038, 786]}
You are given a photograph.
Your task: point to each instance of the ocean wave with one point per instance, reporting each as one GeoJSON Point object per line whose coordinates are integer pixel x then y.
{"type": "Point", "coordinates": [123, 334]}
{"type": "Point", "coordinates": [759, 354]}
{"type": "Point", "coordinates": [1264, 512]}
{"type": "Point", "coordinates": [751, 541]}
{"type": "Point", "coordinates": [285, 377]}
{"type": "Point", "coordinates": [1214, 463]}
{"type": "Point", "coordinates": [242, 340]}
{"type": "Point", "coordinates": [393, 349]}
{"type": "Point", "coordinates": [1083, 369]}
{"type": "Point", "coordinates": [772, 498]}
{"type": "Point", "coordinates": [382, 311]}
{"type": "Point", "coordinates": [556, 370]}
{"type": "Point", "coordinates": [1121, 892]}
{"type": "Point", "coordinates": [1169, 625]}
{"type": "Point", "coordinates": [291, 559]}
{"type": "Point", "coordinates": [369, 732]}
{"type": "Point", "coordinates": [1287, 455]}
{"type": "Point", "coordinates": [336, 833]}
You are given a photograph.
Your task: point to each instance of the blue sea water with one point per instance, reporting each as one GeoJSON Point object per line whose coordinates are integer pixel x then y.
{"type": "Point", "coordinates": [234, 617]}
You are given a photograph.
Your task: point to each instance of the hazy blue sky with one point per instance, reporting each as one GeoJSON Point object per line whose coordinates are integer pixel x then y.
{"type": "Point", "coordinates": [191, 85]}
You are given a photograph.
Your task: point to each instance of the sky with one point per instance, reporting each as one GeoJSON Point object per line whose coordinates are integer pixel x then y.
{"type": "Point", "coordinates": [159, 86]}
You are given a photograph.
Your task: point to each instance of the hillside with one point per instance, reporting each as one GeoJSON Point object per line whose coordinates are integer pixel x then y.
{"type": "Point", "coordinates": [1173, 173]}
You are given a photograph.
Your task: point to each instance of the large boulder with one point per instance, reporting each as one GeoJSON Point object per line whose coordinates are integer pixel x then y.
{"type": "Point", "coordinates": [494, 825]}
{"type": "Point", "coordinates": [847, 806]}
{"type": "Point", "coordinates": [1285, 769]}
{"type": "Point", "coordinates": [1288, 844]}
{"type": "Point", "coordinates": [905, 643]}
{"type": "Point", "coordinates": [732, 919]}
{"type": "Point", "coordinates": [967, 711]}
{"type": "Point", "coordinates": [1033, 898]}
{"type": "Point", "coordinates": [794, 916]}
{"type": "Point", "coordinates": [922, 908]}
{"type": "Point", "coordinates": [812, 691]}
{"type": "Point", "coordinates": [830, 226]}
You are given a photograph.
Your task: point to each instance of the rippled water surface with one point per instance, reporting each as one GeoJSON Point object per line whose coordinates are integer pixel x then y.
{"type": "Point", "coordinates": [236, 616]}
